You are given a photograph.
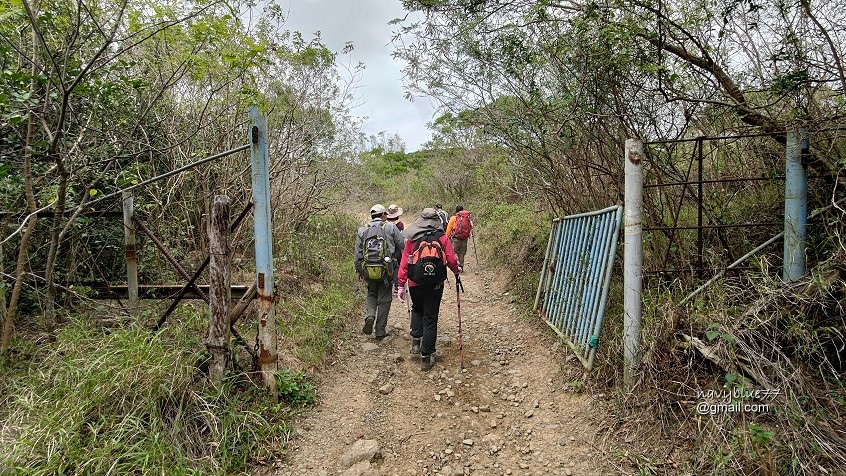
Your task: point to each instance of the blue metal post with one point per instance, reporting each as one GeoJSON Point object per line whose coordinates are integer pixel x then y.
{"type": "Point", "coordinates": [264, 249]}
{"type": "Point", "coordinates": [130, 250]}
{"type": "Point", "coordinates": [795, 206]}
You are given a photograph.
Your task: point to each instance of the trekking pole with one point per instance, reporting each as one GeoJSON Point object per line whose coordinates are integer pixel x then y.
{"type": "Point", "coordinates": [473, 237]}
{"type": "Point", "coordinates": [460, 286]}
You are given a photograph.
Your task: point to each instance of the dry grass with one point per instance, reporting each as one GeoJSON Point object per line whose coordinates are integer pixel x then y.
{"type": "Point", "coordinates": [785, 341]}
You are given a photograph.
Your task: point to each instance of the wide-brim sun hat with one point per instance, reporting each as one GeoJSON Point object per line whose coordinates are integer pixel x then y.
{"type": "Point", "coordinates": [394, 211]}
{"type": "Point", "coordinates": [428, 221]}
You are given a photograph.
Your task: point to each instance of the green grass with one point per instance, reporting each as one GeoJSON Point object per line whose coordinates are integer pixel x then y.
{"type": "Point", "coordinates": [122, 402]}
{"type": "Point", "coordinates": [312, 322]}
{"type": "Point", "coordinates": [513, 236]}
{"type": "Point", "coordinates": [316, 307]}
{"type": "Point", "coordinates": [295, 389]}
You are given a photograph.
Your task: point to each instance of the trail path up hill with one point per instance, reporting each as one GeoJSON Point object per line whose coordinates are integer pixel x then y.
{"type": "Point", "coordinates": [507, 413]}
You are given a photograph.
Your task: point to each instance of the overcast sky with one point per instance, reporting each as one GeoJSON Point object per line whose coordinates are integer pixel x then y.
{"type": "Point", "coordinates": [365, 24]}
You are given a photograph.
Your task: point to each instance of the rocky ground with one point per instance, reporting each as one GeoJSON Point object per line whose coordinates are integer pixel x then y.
{"type": "Point", "coordinates": [510, 410]}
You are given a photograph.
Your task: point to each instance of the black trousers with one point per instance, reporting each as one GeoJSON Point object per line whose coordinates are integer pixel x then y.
{"type": "Point", "coordinates": [425, 306]}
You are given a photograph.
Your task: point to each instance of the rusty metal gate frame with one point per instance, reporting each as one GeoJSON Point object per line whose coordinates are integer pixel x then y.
{"type": "Point", "coordinates": [176, 293]}
{"type": "Point", "coordinates": [692, 189]}
{"type": "Point", "coordinates": [576, 276]}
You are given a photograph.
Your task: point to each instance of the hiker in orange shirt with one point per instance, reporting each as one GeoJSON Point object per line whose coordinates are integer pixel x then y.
{"type": "Point", "coordinates": [458, 230]}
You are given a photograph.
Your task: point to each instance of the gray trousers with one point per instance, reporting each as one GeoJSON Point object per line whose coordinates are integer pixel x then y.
{"type": "Point", "coordinates": [460, 247]}
{"type": "Point", "coordinates": [378, 306]}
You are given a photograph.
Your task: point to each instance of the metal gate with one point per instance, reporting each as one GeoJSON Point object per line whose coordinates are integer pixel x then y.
{"type": "Point", "coordinates": [576, 275]}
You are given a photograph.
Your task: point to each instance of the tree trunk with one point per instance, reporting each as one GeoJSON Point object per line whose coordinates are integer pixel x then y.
{"type": "Point", "coordinates": [20, 275]}
{"type": "Point", "coordinates": [20, 271]}
{"type": "Point", "coordinates": [55, 244]}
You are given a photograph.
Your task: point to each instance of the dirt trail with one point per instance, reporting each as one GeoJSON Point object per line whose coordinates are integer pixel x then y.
{"type": "Point", "coordinates": [507, 413]}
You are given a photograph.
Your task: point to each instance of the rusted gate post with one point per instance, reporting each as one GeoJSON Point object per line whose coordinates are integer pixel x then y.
{"type": "Point", "coordinates": [264, 250]}
{"type": "Point", "coordinates": [129, 249]}
{"type": "Point", "coordinates": [219, 292]}
{"type": "Point", "coordinates": [633, 260]}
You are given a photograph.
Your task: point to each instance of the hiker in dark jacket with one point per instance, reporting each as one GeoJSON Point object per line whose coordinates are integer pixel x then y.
{"type": "Point", "coordinates": [379, 290]}
{"type": "Point", "coordinates": [442, 215]}
{"type": "Point", "coordinates": [425, 298]}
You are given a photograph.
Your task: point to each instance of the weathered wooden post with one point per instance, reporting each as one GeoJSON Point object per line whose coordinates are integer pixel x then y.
{"type": "Point", "coordinates": [129, 249]}
{"type": "Point", "coordinates": [219, 291]}
{"type": "Point", "coordinates": [264, 250]}
{"type": "Point", "coordinates": [633, 260]}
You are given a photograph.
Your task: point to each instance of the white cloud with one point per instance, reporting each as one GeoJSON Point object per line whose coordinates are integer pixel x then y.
{"type": "Point", "coordinates": [365, 24]}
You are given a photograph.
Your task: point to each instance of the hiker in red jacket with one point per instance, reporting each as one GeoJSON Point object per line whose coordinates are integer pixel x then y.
{"type": "Point", "coordinates": [425, 258]}
{"type": "Point", "coordinates": [458, 230]}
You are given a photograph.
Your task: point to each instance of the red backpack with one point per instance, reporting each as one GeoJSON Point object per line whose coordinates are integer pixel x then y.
{"type": "Point", "coordinates": [462, 225]}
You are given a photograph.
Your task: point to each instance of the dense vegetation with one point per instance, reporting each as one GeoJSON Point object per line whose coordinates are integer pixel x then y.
{"type": "Point", "coordinates": [557, 87]}
{"type": "Point", "coordinates": [538, 98]}
{"type": "Point", "coordinates": [97, 97]}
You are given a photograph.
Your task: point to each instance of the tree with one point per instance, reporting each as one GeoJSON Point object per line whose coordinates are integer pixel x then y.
{"type": "Point", "coordinates": [83, 55]}
{"type": "Point", "coordinates": [560, 85]}
{"type": "Point", "coordinates": [98, 96]}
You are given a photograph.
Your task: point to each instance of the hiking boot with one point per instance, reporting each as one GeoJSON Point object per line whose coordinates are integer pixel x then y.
{"type": "Point", "coordinates": [381, 337]}
{"type": "Point", "coordinates": [368, 326]}
{"type": "Point", "coordinates": [415, 345]}
{"type": "Point", "coordinates": [427, 362]}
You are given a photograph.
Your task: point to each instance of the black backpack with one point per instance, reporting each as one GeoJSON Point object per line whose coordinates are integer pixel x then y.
{"type": "Point", "coordinates": [377, 261]}
{"type": "Point", "coordinates": [427, 263]}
